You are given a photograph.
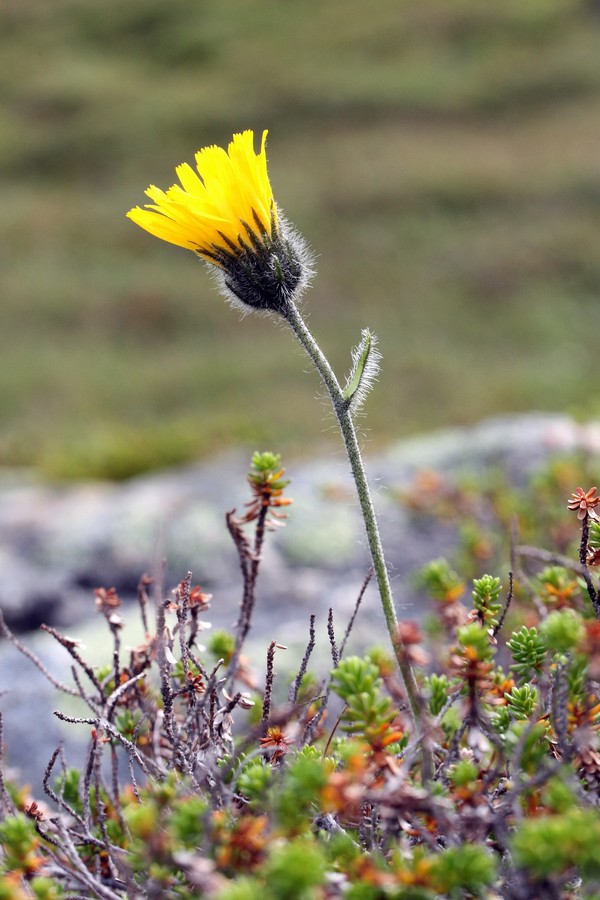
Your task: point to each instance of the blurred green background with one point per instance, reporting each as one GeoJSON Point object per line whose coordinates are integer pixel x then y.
{"type": "Point", "coordinates": [442, 159]}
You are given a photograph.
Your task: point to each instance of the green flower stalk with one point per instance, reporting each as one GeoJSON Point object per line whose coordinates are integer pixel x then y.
{"type": "Point", "coordinates": [227, 215]}
{"type": "Point", "coordinates": [342, 404]}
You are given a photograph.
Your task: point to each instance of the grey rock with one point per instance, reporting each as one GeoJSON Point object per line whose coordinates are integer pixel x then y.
{"type": "Point", "coordinates": [31, 732]}
{"type": "Point", "coordinates": [57, 542]}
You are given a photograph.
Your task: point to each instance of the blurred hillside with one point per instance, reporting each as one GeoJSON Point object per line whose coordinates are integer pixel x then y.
{"type": "Point", "coordinates": [443, 159]}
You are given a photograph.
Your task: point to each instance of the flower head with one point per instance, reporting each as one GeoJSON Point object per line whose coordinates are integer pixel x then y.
{"type": "Point", "coordinates": [277, 741]}
{"type": "Point", "coordinates": [227, 215]}
{"type": "Point", "coordinates": [584, 502]}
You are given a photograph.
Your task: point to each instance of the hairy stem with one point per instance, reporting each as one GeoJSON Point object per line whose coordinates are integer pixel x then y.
{"type": "Point", "coordinates": [348, 430]}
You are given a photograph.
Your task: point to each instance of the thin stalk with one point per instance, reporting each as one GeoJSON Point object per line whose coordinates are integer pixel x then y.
{"type": "Point", "coordinates": [346, 423]}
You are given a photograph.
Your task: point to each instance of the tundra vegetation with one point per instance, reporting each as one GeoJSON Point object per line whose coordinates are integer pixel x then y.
{"type": "Point", "coordinates": [209, 774]}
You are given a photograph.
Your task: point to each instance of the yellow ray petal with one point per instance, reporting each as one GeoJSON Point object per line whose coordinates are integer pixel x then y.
{"type": "Point", "coordinates": [229, 193]}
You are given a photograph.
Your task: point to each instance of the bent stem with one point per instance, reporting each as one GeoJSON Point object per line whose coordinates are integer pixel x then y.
{"type": "Point", "coordinates": [346, 423]}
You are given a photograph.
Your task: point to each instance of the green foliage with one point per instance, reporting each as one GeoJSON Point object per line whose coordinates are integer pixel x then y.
{"type": "Point", "coordinates": [255, 780]}
{"type": "Point", "coordinates": [129, 721]}
{"type": "Point", "coordinates": [221, 644]}
{"type": "Point", "coordinates": [294, 869]}
{"type": "Point", "coordinates": [438, 688]}
{"type": "Point", "coordinates": [265, 466]}
{"type": "Point", "coordinates": [522, 701]}
{"type": "Point", "coordinates": [562, 630]}
{"type": "Point", "coordinates": [528, 739]}
{"type": "Point", "coordinates": [368, 711]}
{"type": "Point", "coordinates": [306, 777]}
{"type": "Point", "coordinates": [577, 676]}
{"type": "Point", "coordinates": [7, 888]}
{"type": "Point", "coordinates": [463, 773]}
{"type": "Point", "coordinates": [356, 676]}
{"type": "Point", "coordinates": [188, 820]}
{"type": "Point", "coordinates": [474, 640]}
{"type": "Point", "coordinates": [441, 581]}
{"type": "Point", "coordinates": [594, 536]}
{"type": "Point", "coordinates": [451, 722]}
{"type": "Point", "coordinates": [558, 797]}
{"type": "Point", "coordinates": [142, 821]}
{"type": "Point", "coordinates": [19, 842]}
{"type": "Point", "coordinates": [46, 889]}
{"type": "Point", "coordinates": [486, 599]}
{"type": "Point", "coordinates": [528, 649]}
{"type": "Point", "coordinates": [557, 844]}
{"type": "Point", "coordinates": [465, 868]}
{"type": "Point", "coordinates": [558, 587]}
{"type": "Point", "coordinates": [365, 368]}
{"type": "Point", "coordinates": [244, 889]}
{"type": "Point", "coordinates": [502, 720]}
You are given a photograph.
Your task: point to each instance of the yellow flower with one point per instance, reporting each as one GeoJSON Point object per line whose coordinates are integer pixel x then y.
{"type": "Point", "coordinates": [227, 215]}
{"type": "Point", "coordinates": [228, 205]}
